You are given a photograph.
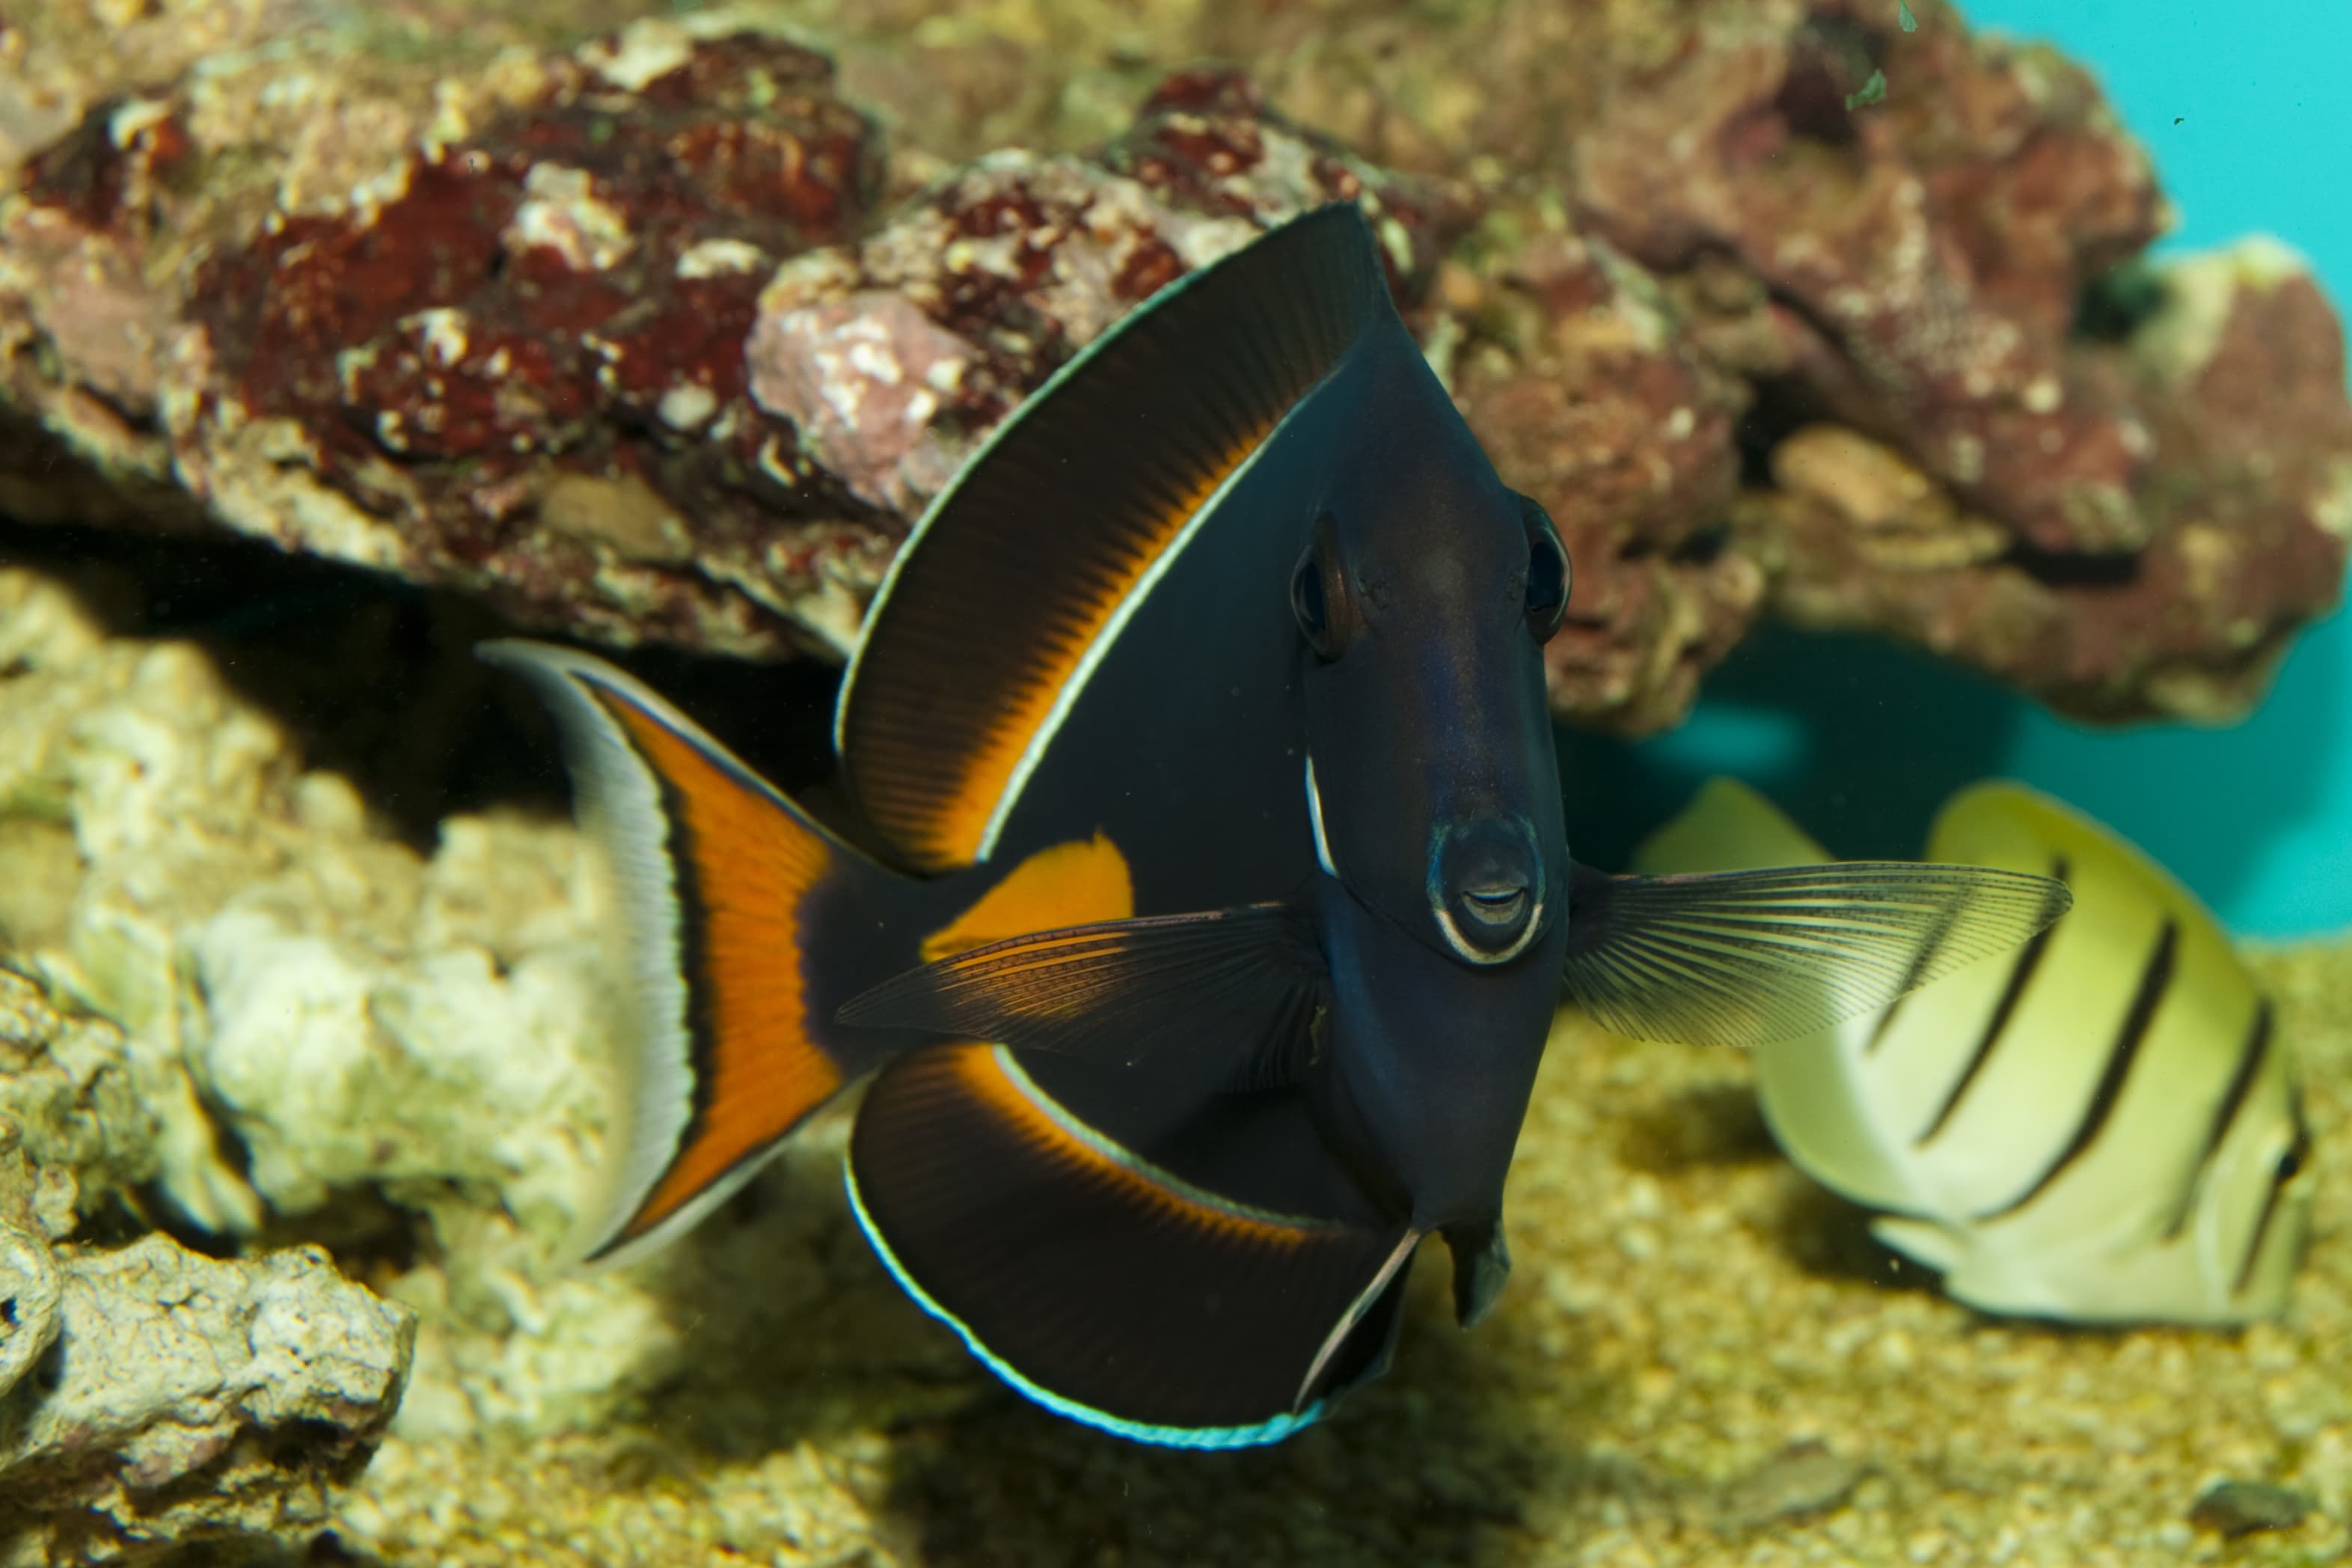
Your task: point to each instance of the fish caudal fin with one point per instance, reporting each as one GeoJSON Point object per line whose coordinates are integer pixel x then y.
{"type": "Point", "coordinates": [1100, 1285]}
{"type": "Point", "coordinates": [714, 877]}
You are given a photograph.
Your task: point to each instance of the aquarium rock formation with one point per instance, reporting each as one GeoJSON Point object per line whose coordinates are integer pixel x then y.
{"type": "Point", "coordinates": [158, 1396]}
{"type": "Point", "coordinates": [668, 334]}
{"type": "Point", "coordinates": [662, 331]}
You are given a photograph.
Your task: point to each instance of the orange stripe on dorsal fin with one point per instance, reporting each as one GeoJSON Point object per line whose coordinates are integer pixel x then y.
{"type": "Point", "coordinates": [713, 874]}
{"type": "Point", "coordinates": [1069, 884]}
{"type": "Point", "coordinates": [1061, 524]}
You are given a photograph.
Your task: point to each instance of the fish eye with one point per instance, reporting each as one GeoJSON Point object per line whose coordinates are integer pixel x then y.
{"type": "Point", "coordinates": [1318, 593]}
{"type": "Point", "coordinates": [2290, 1158]}
{"type": "Point", "coordinates": [1548, 572]}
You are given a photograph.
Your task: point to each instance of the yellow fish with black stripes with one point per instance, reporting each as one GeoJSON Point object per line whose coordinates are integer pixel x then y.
{"type": "Point", "coordinates": [2104, 1127]}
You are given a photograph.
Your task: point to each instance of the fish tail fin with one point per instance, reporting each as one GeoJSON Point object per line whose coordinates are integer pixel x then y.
{"type": "Point", "coordinates": [717, 880]}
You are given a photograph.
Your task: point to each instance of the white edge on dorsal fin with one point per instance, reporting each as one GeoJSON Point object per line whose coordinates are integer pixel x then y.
{"type": "Point", "coordinates": [946, 498]}
{"type": "Point", "coordinates": [1068, 697]}
{"type": "Point", "coordinates": [1105, 640]}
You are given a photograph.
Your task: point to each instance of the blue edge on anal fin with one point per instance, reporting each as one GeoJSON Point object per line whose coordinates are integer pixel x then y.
{"type": "Point", "coordinates": [1104, 1287]}
{"type": "Point", "coordinates": [1258, 1436]}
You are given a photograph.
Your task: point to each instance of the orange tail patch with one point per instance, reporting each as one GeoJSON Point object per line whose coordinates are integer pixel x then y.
{"type": "Point", "coordinates": [712, 870]}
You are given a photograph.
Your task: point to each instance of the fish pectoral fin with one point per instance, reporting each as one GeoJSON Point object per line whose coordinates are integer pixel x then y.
{"type": "Point", "coordinates": [1240, 990]}
{"type": "Point", "coordinates": [1745, 958]}
{"type": "Point", "coordinates": [1100, 1285]}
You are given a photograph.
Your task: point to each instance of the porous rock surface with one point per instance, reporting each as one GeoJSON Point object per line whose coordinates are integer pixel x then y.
{"type": "Point", "coordinates": [665, 330]}
{"type": "Point", "coordinates": [157, 1397]}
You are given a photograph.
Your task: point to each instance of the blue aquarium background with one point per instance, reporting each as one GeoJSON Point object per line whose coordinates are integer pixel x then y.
{"type": "Point", "coordinates": [2245, 110]}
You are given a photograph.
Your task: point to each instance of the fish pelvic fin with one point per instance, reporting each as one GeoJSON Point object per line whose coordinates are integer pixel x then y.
{"type": "Point", "coordinates": [1745, 958]}
{"type": "Point", "coordinates": [1099, 1285]}
{"type": "Point", "coordinates": [1240, 991]}
{"type": "Point", "coordinates": [1025, 570]}
{"type": "Point", "coordinates": [715, 878]}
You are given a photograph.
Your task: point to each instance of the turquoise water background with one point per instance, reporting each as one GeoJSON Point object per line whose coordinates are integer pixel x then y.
{"type": "Point", "coordinates": [1861, 744]}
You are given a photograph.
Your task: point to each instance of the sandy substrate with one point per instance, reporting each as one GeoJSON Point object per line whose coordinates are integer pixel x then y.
{"type": "Point", "coordinates": [1701, 1359]}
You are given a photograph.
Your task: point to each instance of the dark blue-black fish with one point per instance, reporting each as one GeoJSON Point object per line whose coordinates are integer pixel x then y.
{"type": "Point", "coordinates": [1220, 898]}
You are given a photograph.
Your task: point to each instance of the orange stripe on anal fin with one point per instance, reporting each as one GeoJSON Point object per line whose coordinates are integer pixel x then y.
{"type": "Point", "coordinates": [1103, 1286]}
{"type": "Point", "coordinates": [1147, 1195]}
{"type": "Point", "coordinates": [743, 865]}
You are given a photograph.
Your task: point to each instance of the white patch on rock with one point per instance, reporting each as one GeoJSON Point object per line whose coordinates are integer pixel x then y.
{"type": "Point", "coordinates": [2200, 292]}
{"type": "Point", "coordinates": [860, 379]}
{"type": "Point", "coordinates": [561, 212]}
{"type": "Point", "coordinates": [688, 406]}
{"type": "Point", "coordinates": [2332, 509]}
{"type": "Point", "coordinates": [720, 258]}
{"type": "Point", "coordinates": [647, 49]}
{"type": "Point", "coordinates": [442, 333]}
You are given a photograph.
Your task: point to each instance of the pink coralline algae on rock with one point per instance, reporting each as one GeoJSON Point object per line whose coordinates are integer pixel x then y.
{"type": "Point", "coordinates": [668, 339]}
{"type": "Point", "coordinates": [893, 357]}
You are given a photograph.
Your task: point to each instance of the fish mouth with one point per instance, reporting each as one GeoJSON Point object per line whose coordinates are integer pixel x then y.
{"type": "Point", "coordinates": [1498, 908]}
{"type": "Point", "coordinates": [1485, 888]}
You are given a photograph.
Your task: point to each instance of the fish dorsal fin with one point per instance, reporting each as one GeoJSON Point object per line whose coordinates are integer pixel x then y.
{"type": "Point", "coordinates": [1026, 567]}
{"type": "Point", "coordinates": [1726, 826]}
{"type": "Point", "coordinates": [1998, 823]}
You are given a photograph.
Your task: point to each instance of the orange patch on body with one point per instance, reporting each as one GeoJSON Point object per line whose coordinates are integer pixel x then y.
{"type": "Point", "coordinates": [953, 838]}
{"type": "Point", "coordinates": [1077, 883]}
{"type": "Point", "coordinates": [752, 862]}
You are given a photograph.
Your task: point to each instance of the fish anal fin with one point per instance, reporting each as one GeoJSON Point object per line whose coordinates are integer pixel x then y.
{"type": "Point", "coordinates": [1093, 1282]}
{"type": "Point", "coordinates": [1085, 880]}
{"type": "Point", "coordinates": [714, 873]}
{"type": "Point", "coordinates": [1060, 525]}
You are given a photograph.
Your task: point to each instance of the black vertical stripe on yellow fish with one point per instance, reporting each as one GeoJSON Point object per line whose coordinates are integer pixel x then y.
{"type": "Point", "coordinates": [2103, 1128]}
{"type": "Point", "coordinates": [2023, 968]}
{"type": "Point", "coordinates": [1207, 709]}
